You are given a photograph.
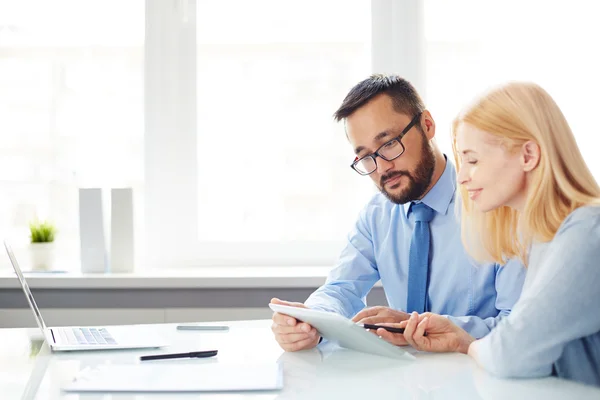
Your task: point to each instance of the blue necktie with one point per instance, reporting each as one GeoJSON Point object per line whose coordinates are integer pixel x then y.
{"type": "Point", "coordinates": [418, 262]}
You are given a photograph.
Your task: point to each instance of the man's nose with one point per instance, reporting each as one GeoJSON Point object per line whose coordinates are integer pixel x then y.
{"type": "Point", "coordinates": [383, 165]}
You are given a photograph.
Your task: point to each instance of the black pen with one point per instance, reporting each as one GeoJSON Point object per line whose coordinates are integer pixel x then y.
{"type": "Point", "coordinates": [387, 328]}
{"type": "Point", "coordinates": [193, 354]}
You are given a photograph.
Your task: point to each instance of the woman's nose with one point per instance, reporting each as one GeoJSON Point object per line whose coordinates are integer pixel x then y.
{"type": "Point", "coordinates": [463, 176]}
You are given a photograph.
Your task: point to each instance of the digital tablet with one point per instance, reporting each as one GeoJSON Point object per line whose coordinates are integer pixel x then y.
{"type": "Point", "coordinates": [343, 331]}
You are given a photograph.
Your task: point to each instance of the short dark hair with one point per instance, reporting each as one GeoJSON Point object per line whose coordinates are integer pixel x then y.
{"type": "Point", "coordinates": [403, 94]}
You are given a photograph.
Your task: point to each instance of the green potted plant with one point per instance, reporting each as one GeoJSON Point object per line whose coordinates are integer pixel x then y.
{"type": "Point", "coordinates": [42, 244]}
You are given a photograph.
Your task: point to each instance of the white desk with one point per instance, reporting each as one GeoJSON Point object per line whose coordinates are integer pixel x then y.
{"type": "Point", "coordinates": [325, 373]}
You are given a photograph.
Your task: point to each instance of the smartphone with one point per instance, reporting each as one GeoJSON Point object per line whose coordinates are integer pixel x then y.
{"type": "Point", "coordinates": [197, 327]}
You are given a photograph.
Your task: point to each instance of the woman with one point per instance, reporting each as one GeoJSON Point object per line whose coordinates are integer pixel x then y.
{"type": "Point", "coordinates": [527, 193]}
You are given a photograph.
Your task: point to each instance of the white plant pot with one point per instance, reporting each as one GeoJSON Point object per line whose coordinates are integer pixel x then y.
{"type": "Point", "coordinates": [41, 256]}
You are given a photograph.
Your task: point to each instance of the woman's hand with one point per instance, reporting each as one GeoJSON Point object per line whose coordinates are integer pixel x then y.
{"type": "Point", "coordinates": [442, 335]}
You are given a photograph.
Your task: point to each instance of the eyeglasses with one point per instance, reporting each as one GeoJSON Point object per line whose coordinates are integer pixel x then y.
{"type": "Point", "coordinates": [388, 151]}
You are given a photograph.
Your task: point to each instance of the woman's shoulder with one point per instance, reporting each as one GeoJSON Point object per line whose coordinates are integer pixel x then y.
{"type": "Point", "coordinates": [584, 219]}
{"type": "Point", "coordinates": [584, 213]}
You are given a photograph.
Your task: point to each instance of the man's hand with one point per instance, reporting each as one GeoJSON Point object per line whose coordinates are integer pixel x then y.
{"type": "Point", "coordinates": [382, 315]}
{"type": "Point", "coordinates": [291, 334]}
{"type": "Point", "coordinates": [442, 335]}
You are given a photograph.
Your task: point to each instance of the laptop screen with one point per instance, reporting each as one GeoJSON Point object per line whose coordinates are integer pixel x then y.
{"type": "Point", "coordinates": [28, 294]}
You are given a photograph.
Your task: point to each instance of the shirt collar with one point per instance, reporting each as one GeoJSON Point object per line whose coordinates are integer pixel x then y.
{"type": "Point", "coordinates": [441, 194]}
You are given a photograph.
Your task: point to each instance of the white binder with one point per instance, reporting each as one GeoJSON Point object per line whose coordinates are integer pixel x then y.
{"type": "Point", "coordinates": [121, 231]}
{"type": "Point", "coordinates": [91, 231]}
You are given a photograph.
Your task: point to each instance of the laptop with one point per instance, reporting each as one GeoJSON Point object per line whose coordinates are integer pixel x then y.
{"type": "Point", "coordinates": [85, 337]}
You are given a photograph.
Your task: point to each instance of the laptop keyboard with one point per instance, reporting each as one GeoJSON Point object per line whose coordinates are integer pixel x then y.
{"type": "Point", "coordinates": [86, 336]}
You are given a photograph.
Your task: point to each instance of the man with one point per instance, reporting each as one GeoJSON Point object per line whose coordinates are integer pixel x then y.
{"type": "Point", "coordinates": [409, 234]}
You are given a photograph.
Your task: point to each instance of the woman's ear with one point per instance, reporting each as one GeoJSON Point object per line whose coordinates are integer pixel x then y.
{"type": "Point", "coordinates": [530, 155]}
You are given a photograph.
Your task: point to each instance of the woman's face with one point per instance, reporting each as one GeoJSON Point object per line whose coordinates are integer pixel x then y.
{"type": "Point", "coordinates": [493, 176]}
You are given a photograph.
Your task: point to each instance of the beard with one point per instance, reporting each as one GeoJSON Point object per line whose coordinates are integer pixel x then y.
{"type": "Point", "coordinates": [418, 180]}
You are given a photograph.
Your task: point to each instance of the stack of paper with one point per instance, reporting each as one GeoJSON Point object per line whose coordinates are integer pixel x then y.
{"type": "Point", "coordinates": [169, 377]}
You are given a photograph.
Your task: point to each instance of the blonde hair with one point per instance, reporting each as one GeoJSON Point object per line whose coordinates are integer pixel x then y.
{"type": "Point", "coordinates": [516, 113]}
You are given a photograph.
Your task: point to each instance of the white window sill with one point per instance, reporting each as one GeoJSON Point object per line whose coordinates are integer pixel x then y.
{"type": "Point", "coordinates": [205, 277]}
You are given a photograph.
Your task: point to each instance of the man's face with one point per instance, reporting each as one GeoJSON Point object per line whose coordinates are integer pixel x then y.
{"type": "Point", "coordinates": [406, 178]}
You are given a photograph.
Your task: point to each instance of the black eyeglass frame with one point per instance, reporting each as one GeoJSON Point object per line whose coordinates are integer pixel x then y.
{"type": "Point", "coordinates": [376, 153]}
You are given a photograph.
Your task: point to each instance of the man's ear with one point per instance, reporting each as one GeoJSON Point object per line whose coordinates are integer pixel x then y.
{"type": "Point", "coordinates": [530, 155]}
{"type": "Point", "coordinates": [428, 125]}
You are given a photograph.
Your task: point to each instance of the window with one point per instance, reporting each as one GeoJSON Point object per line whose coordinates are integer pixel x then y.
{"type": "Point", "coordinates": [71, 109]}
{"type": "Point", "coordinates": [219, 113]}
{"type": "Point", "coordinates": [472, 45]}
{"type": "Point", "coordinates": [101, 94]}
{"type": "Point", "coordinates": [272, 163]}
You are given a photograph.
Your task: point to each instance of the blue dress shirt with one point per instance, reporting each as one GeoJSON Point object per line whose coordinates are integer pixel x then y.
{"type": "Point", "coordinates": [474, 296]}
{"type": "Point", "coordinates": [555, 325]}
